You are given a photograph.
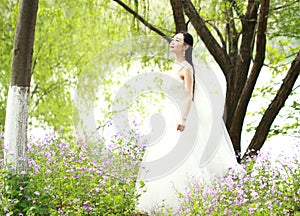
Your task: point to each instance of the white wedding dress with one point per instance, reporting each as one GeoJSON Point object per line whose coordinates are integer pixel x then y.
{"type": "Point", "coordinates": [203, 150]}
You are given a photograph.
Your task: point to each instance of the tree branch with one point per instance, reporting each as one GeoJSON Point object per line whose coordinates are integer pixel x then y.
{"type": "Point", "coordinates": [232, 33]}
{"type": "Point", "coordinates": [275, 106]}
{"type": "Point", "coordinates": [218, 33]}
{"type": "Point", "coordinates": [236, 8]}
{"type": "Point", "coordinates": [296, 87]}
{"type": "Point", "coordinates": [238, 77]}
{"type": "Point", "coordinates": [210, 42]}
{"type": "Point", "coordinates": [248, 33]}
{"type": "Point", "coordinates": [141, 19]}
{"type": "Point", "coordinates": [284, 6]}
{"type": "Point", "coordinates": [178, 15]}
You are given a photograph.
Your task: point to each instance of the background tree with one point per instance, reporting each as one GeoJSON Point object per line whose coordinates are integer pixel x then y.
{"type": "Point", "coordinates": [18, 95]}
{"type": "Point", "coordinates": [235, 34]}
{"type": "Point", "coordinates": [68, 35]}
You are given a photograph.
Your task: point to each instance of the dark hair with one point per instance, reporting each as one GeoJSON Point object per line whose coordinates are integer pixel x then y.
{"type": "Point", "coordinates": [188, 40]}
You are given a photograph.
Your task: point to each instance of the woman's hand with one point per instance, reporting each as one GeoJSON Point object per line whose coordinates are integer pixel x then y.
{"type": "Point", "coordinates": [181, 125]}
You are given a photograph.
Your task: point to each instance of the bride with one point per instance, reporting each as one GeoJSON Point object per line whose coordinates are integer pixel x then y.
{"type": "Point", "coordinates": [197, 143]}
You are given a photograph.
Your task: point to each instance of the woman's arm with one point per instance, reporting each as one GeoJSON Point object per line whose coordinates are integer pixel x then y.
{"type": "Point", "coordinates": [187, 75]}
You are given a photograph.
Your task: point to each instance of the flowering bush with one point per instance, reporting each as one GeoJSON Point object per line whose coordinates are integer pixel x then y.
{"type": "Point", "coordinates": [70, 179]}
{"type": "Point", "coordinates": [66, 178]}
{"type": "Point", "coordinates": [267, 189]}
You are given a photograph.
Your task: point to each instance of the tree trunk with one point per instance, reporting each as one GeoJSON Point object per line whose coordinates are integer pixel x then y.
{"type": "Point", "coordinates": [266, 122]}
{"type": "Point", "coordinates": [16, 122]}
{"type": "Point", "coordinates": [178, 15]}
{"type": "Point", "coordinates": [247, 90]}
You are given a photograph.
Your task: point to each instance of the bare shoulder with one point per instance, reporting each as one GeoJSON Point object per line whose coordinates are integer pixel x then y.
{"type": "Point", "coordinates": [188, 67]}
{"type": "Point", "coordinates": [186, 70]}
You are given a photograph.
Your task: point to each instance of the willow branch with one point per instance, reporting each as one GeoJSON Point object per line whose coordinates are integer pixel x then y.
{"type": "Point", "coordinates": [141, 19]}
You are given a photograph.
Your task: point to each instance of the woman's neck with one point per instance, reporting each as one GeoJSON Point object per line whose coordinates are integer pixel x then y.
{"type": "Point", "coordinates": [179, 58]}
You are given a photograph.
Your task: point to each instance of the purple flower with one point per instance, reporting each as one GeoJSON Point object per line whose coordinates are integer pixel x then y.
{"type": "Point", "coordinates": [60, 211]}
{"type": "Point", "coordinates": [76, 176]}
{"type": "Point", "coordinates": [76, 200]}
{"type": "Point", "coordinates": [86, 206]}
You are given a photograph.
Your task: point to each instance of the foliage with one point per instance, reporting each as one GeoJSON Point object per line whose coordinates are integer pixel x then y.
{"type": "Point", "coordinates": [268, 188]}
{"type": "Point", "coordinates": [279, 54]}
{"type": "Point", "coordinates": [68, 35]}
{"type": "Point", "coordinates": [19, 195]}
{"type": "Point", "coordinates": [8, 19]}
{"type": "Point", "coordinates": [72, 178]}
{"type": "Point", "coordinates": [283, 21]}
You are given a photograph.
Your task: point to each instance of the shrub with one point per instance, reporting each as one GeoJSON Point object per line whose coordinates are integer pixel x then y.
{"type": "Point", "coordinates": [268, 188]}
{"type": "Point", "coordinates": [66, 178]}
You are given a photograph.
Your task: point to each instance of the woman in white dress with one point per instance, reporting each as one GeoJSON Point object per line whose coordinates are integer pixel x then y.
{"type": "Point", "coordinates": [198, 144]}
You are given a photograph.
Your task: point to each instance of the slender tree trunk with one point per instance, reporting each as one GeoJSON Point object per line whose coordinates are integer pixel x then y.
{"type": "Point", "coordinates": [266, 122]}
{"type": "Point", "coordinates": [16, 122]}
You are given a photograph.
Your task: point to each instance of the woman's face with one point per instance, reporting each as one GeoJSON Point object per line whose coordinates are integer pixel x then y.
{"type": "Point", "coordinates": [177, 43]}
